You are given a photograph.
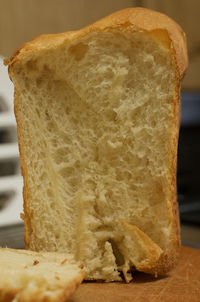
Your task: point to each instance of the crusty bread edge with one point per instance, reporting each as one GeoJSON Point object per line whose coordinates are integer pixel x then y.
{"type": "Point", "coordinates": [131, 19]}
{"type": "Point", "coordinates": [8, 295]}
{"type": "Point", "coordinates": [136, 18]}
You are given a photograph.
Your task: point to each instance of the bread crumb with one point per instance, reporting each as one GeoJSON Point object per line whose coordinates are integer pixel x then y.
{"type": "Point", "coordinates": [127, 275]}
{"type": "Point", "coordinates": [35, 262]}
{"type": "Point", "coordinates": [64, 261]}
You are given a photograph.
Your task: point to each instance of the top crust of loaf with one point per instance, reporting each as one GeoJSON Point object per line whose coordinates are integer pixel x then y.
{"type": "Point", "coordinates": [133, 19]}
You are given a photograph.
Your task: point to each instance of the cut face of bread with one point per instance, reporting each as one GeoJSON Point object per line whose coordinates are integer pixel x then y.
{"type": "Point", "coordinates": [98, 115]}
{"type": "Point", "coordinates": [31, 276]}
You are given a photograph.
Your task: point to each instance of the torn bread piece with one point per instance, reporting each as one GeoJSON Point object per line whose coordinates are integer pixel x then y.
{"type": "Point", "coordinates": [139, 249]}
{"type": "Point", "coordinates": [98, 119]}
{"type": "Point", "coordinates": [30, 276]}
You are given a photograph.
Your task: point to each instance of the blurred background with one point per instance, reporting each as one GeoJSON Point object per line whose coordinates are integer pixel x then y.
{"type": "Point", "coordinates": [21, 21]}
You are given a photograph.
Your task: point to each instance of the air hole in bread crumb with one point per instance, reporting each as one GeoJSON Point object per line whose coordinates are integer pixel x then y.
{"type": "Point", "coordinates": [57, 236]}
{"type": "Point", "coordinates": [118, 255]}
{"type": "Point", "coordinates": [67, 110]}
{"type": "Point", "coordinates": [46, 68]}
{"type": "Point", "coordinates": [78, 51]}
{"type": "Point", "coordinates": [37, 112]}
{"type": "Point", "coordinates": [31, 65]}
{"type": "Point", "coordinates": [50, 193]}
{"type": "Point", "coordinates": [153, 123]}
{"type": "Point", "coordinates": [39, 81]}
{"type": "Point", "coordinates": [52, 206]}
{"type": "Point", "coordinates": [47, 115]}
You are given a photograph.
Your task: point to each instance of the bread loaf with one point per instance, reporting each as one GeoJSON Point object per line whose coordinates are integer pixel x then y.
{"type": "Point", "coordinates": [30, 276]}
{"type": "Point", "coordinates": [98, 120]}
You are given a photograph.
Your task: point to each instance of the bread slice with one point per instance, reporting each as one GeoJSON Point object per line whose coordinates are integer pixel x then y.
{"type": "Point", "coordinates": [30, 276]}
{"type": "Point", "coordinates": [98, 118]}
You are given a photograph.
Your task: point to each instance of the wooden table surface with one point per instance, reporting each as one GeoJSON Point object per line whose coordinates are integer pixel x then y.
{"type": "Point", "coordinates": [181, 285]}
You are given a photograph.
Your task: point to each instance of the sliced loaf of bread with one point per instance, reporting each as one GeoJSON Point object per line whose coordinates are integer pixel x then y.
{"type": "Point", "coordinates": [98, 120]}
{"type": "Point", "coordinates": [28, 276]}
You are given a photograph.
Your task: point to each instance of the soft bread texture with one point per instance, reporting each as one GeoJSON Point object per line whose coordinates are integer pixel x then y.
{"type": "Point", "coordinates": [98, 119]}
{"type": "Point", "coordinates": [30, 276]}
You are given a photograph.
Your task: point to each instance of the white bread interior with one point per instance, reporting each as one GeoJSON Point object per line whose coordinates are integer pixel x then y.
{"type": "Point", "coordinates": [98, 117]}
{"type": "Point", "coordinates": [31, 276]}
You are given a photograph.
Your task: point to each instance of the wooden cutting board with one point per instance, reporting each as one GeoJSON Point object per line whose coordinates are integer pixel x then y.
{"type": "Point", "coordinates": [181, 285]}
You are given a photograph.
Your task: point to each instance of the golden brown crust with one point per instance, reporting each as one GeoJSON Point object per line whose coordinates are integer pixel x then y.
{"type": "Point", "coordinates": [152, 253]}
{"type": "Point", "coordinates": [133, 19]}
{"type": "Point", "coordinates": [144, 19]}
{"type": "Point", "coordinates": [169, 35]}
{"type": "Point", "coordinates": [26, 216]}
